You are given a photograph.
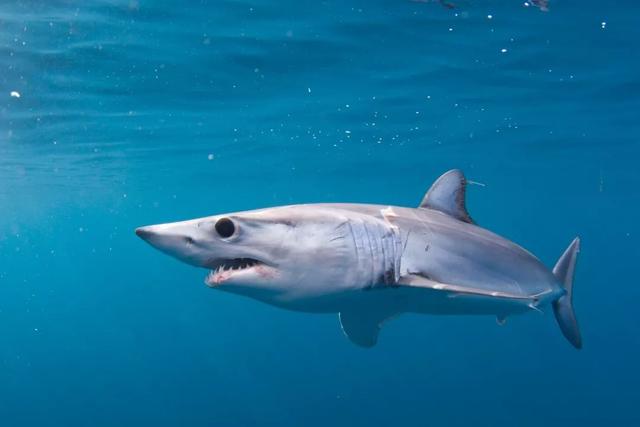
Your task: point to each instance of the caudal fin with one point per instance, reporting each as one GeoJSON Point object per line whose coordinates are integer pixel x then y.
{"type": "Point", "coordinates": [563, 307]}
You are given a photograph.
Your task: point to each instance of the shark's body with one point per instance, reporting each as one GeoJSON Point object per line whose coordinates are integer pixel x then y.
{"type": "Point", "coordinates": [371, 262]}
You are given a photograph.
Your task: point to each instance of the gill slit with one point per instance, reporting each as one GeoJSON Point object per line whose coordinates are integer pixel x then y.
{"type": "Point", "coordinates": [375, 256]}
{"type": "Point", "coordinates": [385, 261]}
{"type": "Point", "coordinates": [353, 236]}
{"type": "Point", "coordinates": [372, 263]}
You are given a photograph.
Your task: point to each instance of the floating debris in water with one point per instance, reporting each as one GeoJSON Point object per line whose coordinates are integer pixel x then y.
{"type": "Point", "coordinates": [503, 50]}
{"type": "Point", "coordinates": [603, 25]}
{"type": "Point", "coordinates": [15, 94]}
{"type": "Point", "coordinates": [211, 157]}
{"type": "Point", "coordinates": [542, 4]}
{"type": "Point", "coordinates": [444, 3]}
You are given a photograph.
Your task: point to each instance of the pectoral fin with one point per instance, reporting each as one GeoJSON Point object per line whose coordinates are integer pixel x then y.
{"type": "Point", "coordinates": [362, 326]}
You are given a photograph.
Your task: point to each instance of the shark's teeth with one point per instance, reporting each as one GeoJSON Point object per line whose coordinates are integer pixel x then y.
{"type": "Point", "coordinates": [234, 263]}
{"type": "Point", "coordinates": [222, 268]}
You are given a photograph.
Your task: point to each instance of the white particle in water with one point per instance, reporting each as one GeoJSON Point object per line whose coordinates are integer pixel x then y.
{"type": "Point", "coordinates": [489, 16]}
{"type": "Point", "coordinates": [603, 25]}
{"type": "Point", "coordinates": [503, 50]}
{"type": "Point", "coordinates": [15, 94]}
{"type": "Point", "coordinates": [211, 157]}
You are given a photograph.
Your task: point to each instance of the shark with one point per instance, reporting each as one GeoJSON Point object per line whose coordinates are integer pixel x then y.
{"type": "Point", "coordinates": [371, 263]}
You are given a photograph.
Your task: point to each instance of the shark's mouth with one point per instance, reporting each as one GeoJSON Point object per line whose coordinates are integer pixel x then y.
{"type": "Point", "coordinates": [224, 268]}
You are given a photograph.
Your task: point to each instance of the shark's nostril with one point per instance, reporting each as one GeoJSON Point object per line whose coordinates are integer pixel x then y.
{"type": "Point", "coordinates": [189, 240]}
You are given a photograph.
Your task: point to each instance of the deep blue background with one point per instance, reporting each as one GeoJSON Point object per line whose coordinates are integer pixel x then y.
{"type": "Point", "coordinates": [123, 102]}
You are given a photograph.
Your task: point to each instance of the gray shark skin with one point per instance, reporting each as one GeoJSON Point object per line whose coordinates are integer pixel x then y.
{"type": "Point", "coordinates": [370, 263]}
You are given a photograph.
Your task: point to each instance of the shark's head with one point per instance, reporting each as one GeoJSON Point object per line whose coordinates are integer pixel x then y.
{"type": "Point", "coordinates": [279, 255]}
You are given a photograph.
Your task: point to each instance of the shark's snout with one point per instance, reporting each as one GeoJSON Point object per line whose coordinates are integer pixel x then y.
{"type": "Point", "coordinates": [177, 240]}
{"type": "Point", "coordinates": [155, 236]}
{"type": "Point", "coordinates": [144, 232]}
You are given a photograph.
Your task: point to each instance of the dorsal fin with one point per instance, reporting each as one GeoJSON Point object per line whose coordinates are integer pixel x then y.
{"type": "Point", "coordinates": [447, 195]}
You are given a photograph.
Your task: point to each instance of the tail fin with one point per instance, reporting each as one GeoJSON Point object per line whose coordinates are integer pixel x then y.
{"type": "Point", "coordinates": [562, 307]}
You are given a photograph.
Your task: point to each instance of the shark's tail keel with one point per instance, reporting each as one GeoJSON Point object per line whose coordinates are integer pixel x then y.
{"type": "Point", "coordinates": [563, 307]}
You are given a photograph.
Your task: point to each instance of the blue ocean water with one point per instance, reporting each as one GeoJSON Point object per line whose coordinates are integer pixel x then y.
{"type": "Point", "coordinates": [116, 114]}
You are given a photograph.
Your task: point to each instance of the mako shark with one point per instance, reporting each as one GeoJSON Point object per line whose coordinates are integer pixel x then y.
{"type": "Point", "coordinates": [371, 263]}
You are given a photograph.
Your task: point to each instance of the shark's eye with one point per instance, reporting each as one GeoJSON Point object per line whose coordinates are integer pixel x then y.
{"type": "Point", "coordinates": [225, 227]}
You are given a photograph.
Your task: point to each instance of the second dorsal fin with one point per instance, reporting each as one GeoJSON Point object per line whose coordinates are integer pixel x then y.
{"type": "Point", "coordinates": [447, 195]}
